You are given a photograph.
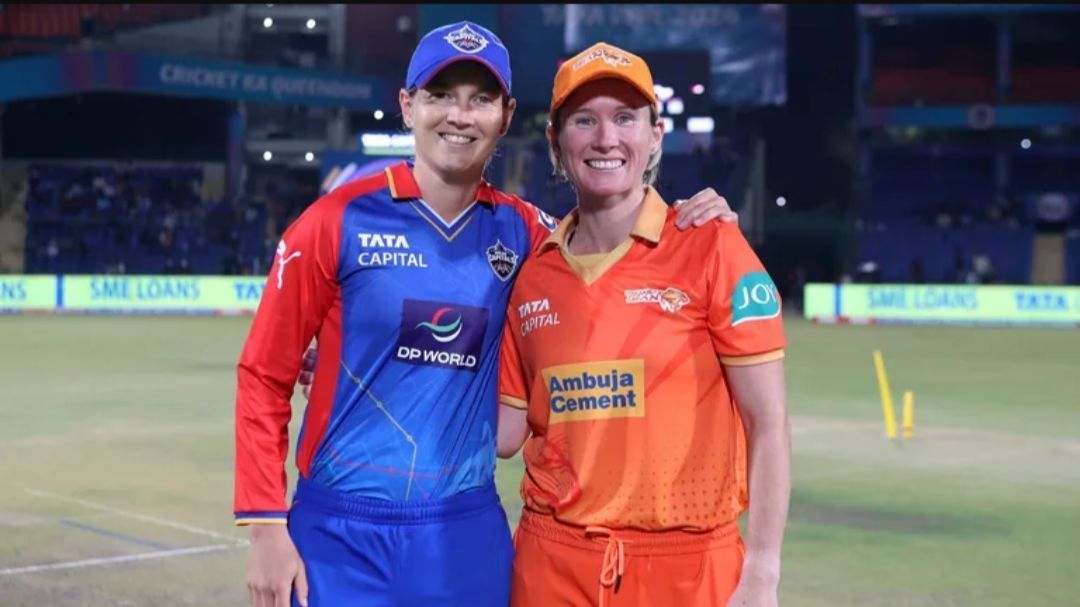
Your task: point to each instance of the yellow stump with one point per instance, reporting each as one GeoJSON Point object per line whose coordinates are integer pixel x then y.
{"type": "Point", "coordinates": [909, 413]}
{"type": "Point", "coordinates": [886, 396]}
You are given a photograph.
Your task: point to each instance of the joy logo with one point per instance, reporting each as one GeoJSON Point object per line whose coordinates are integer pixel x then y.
{"type": "Point", "coordinates": [443, 332]}
{"type": "Point", "coordinates": [755, 298]}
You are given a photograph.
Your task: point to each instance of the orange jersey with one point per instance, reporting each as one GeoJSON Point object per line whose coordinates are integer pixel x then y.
{"type": "Point", "coordinates": [619, 360]}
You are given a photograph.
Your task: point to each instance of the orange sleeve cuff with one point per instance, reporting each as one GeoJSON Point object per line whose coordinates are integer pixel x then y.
{"type": "Point", "coordinates": [753, 359]}
{"type": "Point", "coordinates": [511, 401]}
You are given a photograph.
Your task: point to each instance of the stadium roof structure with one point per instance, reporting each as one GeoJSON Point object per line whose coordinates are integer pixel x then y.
{"type": "Point", "coordinates": [114, 71]}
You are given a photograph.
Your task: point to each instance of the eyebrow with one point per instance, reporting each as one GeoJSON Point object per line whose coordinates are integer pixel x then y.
{"type": "Point", "coordinates": [617, 109]}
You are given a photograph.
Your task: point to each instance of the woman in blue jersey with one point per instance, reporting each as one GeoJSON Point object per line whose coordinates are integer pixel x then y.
{"type": "Point", "coordinates": [403, 277]}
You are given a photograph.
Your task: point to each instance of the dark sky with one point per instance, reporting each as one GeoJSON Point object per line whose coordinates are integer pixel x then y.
{"type": "Point", "coordinates": [808, 138]}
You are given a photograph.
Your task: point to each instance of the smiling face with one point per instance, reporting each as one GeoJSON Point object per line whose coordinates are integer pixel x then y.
{"type": "Point", "coordinates": [605, 137]}
{"type": "Point", "coordinates": [457, 119]}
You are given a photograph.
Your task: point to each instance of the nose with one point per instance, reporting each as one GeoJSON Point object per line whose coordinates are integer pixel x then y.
{"type": "Point", "coordinates": [607, 136]}
{"type": "Point", "coordinates": [460, 115]}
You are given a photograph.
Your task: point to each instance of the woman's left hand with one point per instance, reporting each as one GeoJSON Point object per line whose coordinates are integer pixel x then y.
{"type": "Point", "coordinates": [758, 584]}
{"type": "Point", "coordinates": [749, 594]}
{"type": "Point", "coordinates": [703, 207]}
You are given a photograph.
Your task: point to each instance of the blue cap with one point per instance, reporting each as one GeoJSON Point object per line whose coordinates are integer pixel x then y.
{"type": "Point", "coordinates": [461, 41]}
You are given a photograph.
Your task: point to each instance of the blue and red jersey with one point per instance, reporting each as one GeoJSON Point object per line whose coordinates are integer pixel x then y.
{"type": "Point", "coordinates": [408, 312]}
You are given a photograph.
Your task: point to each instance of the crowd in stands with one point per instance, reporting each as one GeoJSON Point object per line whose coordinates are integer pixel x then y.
{"type": "Point", "coordinates": [103, 219]}
{"type": "Point", "coordinates": [115, 219]}
{"type": "Point", "coordinates": [943, 221]}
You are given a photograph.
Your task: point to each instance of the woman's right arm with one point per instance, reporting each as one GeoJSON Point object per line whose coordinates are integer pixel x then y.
{"type": "Point", "coordinates": [513, 393]}
{"type": "Point", "coordinates": [299, 292]}
{"type": "Point", "coordinates": [513, 430]}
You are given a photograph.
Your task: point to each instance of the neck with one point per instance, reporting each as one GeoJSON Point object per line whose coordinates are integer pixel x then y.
{"type": "Point", "coordinates": [605, 222]}
{"type": "Point", "coordinates": [447, 194]}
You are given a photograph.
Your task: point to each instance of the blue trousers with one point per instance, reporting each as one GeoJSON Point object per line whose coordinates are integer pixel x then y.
{"type": "Point", "coordinates": [372, 552]}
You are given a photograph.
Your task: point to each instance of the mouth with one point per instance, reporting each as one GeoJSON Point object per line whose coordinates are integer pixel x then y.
{"type": "Point", "coordinates": [606, 165]}
{"type": "Point", "coordinates": [455, 139]}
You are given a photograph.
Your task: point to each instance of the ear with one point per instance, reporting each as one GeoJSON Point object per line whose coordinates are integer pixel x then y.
{"type": "Point", "coordinates": [508, 114]}
{"type": "Point", "coordinates": [553, 140]}
{"type": "Point", "coordinates": [553, 144]}
{"type": "Point", "coordinates": [657, 136]}
{"type": "Point", "coordinates": [405, 100]}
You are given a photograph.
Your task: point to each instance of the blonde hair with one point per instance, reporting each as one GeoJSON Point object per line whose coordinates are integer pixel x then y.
{"type": "Point", "coordinates": [652, 167]}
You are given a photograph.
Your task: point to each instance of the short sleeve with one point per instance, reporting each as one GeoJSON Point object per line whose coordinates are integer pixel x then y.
{"type": "Point", "coordinates": [745, 320]}
{"type": "Point", "coordinates": [512, 385]}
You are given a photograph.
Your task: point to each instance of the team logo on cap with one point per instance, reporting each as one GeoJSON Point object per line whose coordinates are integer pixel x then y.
{"type": "Point", "coordinates": [466, 40]}
{"type": "Point", "coordinates": [609, 56]}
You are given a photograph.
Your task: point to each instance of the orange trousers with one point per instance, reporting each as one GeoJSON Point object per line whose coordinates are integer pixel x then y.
{"type": "Point", "coordinates": [560, 565]}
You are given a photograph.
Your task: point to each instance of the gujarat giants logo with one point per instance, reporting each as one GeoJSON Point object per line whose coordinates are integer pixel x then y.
{"type": "Point", "coordinates": [610, 57]}
{"type": "Point", "coordinates": [670, 299]}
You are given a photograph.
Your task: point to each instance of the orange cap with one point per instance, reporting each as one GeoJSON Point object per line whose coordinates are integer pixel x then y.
{"type": "Point", "coordinates": [601, 60]}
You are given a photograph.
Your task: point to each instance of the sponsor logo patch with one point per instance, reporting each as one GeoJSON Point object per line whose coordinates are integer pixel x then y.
{"type": "Point", "coordinates": [535, 315]}
{"type": "Point", "coordinates": [596, 390]}
{"type": "Point", "coordinates": [387, 250]}
{"type": "Point", "coordinates": [282, 260]}
{"type": "Point", "coordinates": [547, 221]}
{"type": "Point", "coordinates": [441, 334]}
{"type": "Point", "coordinates": [755, 298]}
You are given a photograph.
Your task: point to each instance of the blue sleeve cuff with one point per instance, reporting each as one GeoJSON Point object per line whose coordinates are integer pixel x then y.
{"type": "Point", "coordinates": [262, 518]}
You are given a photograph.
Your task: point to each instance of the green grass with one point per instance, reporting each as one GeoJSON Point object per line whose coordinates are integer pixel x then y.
{"type": "Point", "coordinates": [981, 508]}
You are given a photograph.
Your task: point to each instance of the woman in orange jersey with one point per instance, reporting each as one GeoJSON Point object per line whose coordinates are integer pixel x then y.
{"type": "Point", "coordinates": [642, 369]}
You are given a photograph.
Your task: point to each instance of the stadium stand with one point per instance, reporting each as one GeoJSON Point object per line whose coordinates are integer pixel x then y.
{"type": "Point", "coordinates": [143, 220]}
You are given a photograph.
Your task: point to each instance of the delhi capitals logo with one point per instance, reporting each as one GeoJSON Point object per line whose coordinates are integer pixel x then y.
{"type": "Point", "coordinates": [443, 332]}
{"type": "Point", "coordinates": [502, 259]}
{"type": "Point", "coordinates": [466, 40]}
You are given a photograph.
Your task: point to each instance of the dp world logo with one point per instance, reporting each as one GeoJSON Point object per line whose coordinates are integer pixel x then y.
{"type": "Point", "coordinates": [445, 325]}
{"type": "Point", "coordinates": [441, 334]}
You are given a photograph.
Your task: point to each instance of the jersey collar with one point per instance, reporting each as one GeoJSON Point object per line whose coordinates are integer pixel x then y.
{"type": "Point", "coordinates": [649, 224]}
{"type": "Point", "coordinates": [403, 186]}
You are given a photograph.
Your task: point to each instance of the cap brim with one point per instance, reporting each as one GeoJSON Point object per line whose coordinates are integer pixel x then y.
{"type": "Point", "coordinates": [434, 71]}
{"type": "Point", "coordinates": [650, 96]}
